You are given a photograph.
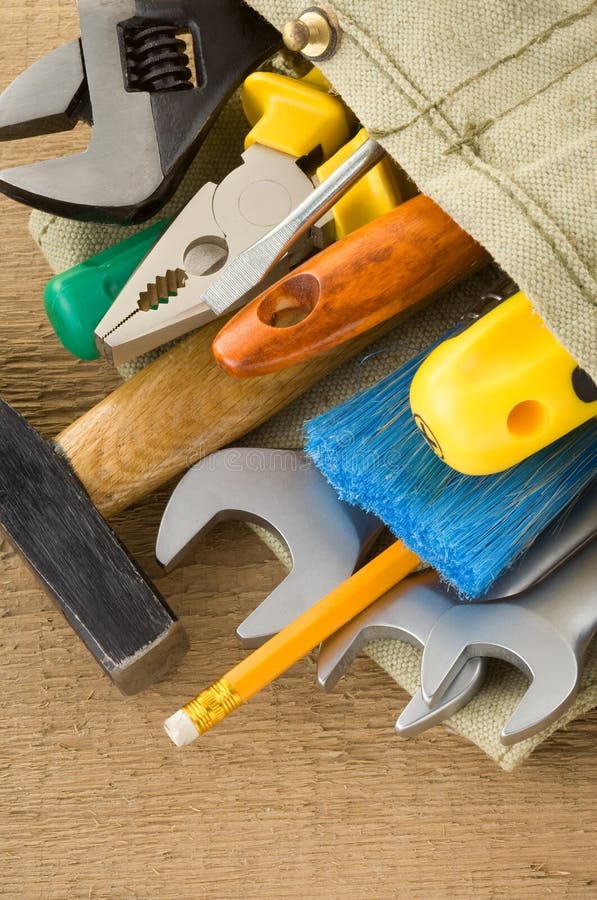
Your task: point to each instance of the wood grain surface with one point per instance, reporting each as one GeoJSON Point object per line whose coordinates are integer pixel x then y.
{"type": "Point", "coordinates": [299, 793]}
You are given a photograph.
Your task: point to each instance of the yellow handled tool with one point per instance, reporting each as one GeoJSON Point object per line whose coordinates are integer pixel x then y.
{"type": "Point", "coordinates": [300, 118]}
{"type": "Point", "coordinates": [500, 391]}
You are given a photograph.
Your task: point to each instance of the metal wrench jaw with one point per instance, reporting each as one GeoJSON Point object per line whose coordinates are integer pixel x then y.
{"type": "Point", "coordinates": [162, 299]}
{"type": "Point", "coordinates": [537, 709]}
{"type": "Point", "coordinates": [417, 716]}
{"type": "Point", "coordinates": [545, 658]}
{"type": "Point", "coordinates": [145, 134]}
{"type": "Point", "coordinates": [545, 632]}
{"type": "Point", "coordinates": [50, 96]}
{"type": "Point", "coordinates": [101, 178]}
{"type": "Point", "coordinates": [280, 490]}
{"type": "Point", "coordinates": [407, 612]}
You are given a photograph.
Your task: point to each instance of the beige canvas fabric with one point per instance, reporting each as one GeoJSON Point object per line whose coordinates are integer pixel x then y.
{"type": "Point", "coordinates": [489, 105]}
{"type": "Point", "coordinates": [486, 105]}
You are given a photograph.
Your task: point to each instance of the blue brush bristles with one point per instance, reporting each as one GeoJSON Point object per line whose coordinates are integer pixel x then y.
{"type": "Point", "coordinates": [469, 528]}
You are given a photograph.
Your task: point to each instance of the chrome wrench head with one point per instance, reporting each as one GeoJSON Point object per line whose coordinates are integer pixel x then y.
{"type": "Point", "coordinates": [129, 76]}
{"type": "Point", "coordinates": [407, 612]}
{"type": "Point", "coordinates": [411, 610]}
{"type": "Point", "coordinates": [26, 109]}
{"type": "Point", "coordinates": [282, 491]}
{"type": "Point", "coordinates": [545, 632]}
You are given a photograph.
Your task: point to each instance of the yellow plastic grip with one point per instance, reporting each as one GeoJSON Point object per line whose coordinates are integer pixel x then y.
{"type": "Point", "coordinates": [294, 115]}
{"type": "Point", "coordinates": [500, 391]}
{"type": "Point", "coordinates": [374, 194]}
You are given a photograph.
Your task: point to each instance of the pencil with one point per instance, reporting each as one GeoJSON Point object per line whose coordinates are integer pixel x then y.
{"type": "Point", "coordinates": [278, 654]}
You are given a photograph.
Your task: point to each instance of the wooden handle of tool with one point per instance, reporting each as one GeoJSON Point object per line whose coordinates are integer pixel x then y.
{"type": "Point", "coordinates": [173, 413]}
{"type": "Point", "coordinates": [389, 266]}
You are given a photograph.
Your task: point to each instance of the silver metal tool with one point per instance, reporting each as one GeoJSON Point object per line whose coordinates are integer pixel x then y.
{"type": "Point", "coordinates": [130, 76]}
{"type": "Point", "coordinates": [545, 632]}
{"type": "Point", "coordinates": [408, 612]}
{"type": "Point", "coordinates": [161, 301]}
{"type": "Point", "coordinates": [252, 265]}
{"type": "Point", "coordinates": [282, 491]}
{"type": "Point", "coordinates": [412, 610]}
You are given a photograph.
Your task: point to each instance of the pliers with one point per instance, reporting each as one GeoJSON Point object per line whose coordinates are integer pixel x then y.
{"type": "Point", "coordinates": [292, 119]}
{"type": "Point", "coordinates": [126, 305]}
{"type": "Point", "coordinates": [130, 77]}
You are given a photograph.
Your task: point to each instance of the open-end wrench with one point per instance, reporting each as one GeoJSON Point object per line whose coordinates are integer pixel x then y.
{"type": "Point", "coordinates": [545, 632]}
{"type": "Point", "coordinates": [412, 609]}
{"type": "Point", "coordinates": [408, 613]}
{"type": "Point", "coordinates": [282, 491]}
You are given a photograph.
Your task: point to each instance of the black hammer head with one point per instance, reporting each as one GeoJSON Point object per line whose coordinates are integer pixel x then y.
{"type": "Point", "coordinates": [107, 599]}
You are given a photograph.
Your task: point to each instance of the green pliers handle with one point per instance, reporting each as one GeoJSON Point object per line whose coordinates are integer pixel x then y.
{"type": "Point", "coordinates": [77, 300]}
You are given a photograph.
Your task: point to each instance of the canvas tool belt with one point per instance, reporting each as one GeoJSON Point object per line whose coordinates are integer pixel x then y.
{"type": "Point", "coordinates": [489, 107]}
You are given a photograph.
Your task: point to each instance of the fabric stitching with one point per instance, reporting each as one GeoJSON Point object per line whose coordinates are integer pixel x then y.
{"type": "Point", "coordinates": [44, 231]}
{"type": "Point", "coordinates": [478, 76]}
{"type": "Point", "coordinates": [497, 178]}
{"type": "Point", "coordinates": [477, 131]}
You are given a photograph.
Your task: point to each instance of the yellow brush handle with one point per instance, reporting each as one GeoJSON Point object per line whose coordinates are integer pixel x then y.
{"type": "Point", "coordinates": [500, 391]}
{"type": "Point", "coordinates": [264, 665]}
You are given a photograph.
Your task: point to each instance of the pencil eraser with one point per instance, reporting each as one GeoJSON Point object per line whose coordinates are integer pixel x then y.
{"type": "Point", "coordinates": [180, 729]}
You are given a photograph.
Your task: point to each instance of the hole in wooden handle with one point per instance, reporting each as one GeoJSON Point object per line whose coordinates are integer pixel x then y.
{"type": "Point", "coordinates": [290, 302]}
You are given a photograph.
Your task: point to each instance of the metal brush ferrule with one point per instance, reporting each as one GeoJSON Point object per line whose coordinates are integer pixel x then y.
{"type": "Point", "coordinates": [212, 705]}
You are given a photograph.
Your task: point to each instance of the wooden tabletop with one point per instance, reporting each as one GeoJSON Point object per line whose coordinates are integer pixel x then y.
{"type": "Point", "coordinates": [299, 794]}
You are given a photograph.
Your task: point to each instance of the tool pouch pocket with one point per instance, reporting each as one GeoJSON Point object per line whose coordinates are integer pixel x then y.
{"type": "Point", "coordinates": [488, 110]}
{"type": "Point", "coordinates": [490, 114]}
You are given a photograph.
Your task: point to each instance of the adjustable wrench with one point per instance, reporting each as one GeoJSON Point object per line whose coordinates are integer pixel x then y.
{"type": "Point", "coordinates": [129, 75]}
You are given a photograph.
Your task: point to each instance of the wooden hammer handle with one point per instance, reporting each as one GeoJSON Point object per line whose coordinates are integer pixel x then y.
{"type": "Point", "coordinates": [173, 413]}
{"type": "Point", "coordinates": [385, 268]}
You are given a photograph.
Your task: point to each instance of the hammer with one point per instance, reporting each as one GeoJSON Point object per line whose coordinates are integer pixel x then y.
{"type": "Point", "coordinates": [53, 496]}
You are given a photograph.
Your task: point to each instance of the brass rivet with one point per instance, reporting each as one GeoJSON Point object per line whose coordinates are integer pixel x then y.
{"type": "Point", "coordinates": [316, 33]}
{"type": "Point", "coordinates": [296, 35]}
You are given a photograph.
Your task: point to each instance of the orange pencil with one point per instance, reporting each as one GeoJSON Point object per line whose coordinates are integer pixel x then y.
{"type": "Point", "coordinates": [264, 665]}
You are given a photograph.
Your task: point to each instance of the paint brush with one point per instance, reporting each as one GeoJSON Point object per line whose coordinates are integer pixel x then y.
{"type": "Point", "coordinates": [469, 528]}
